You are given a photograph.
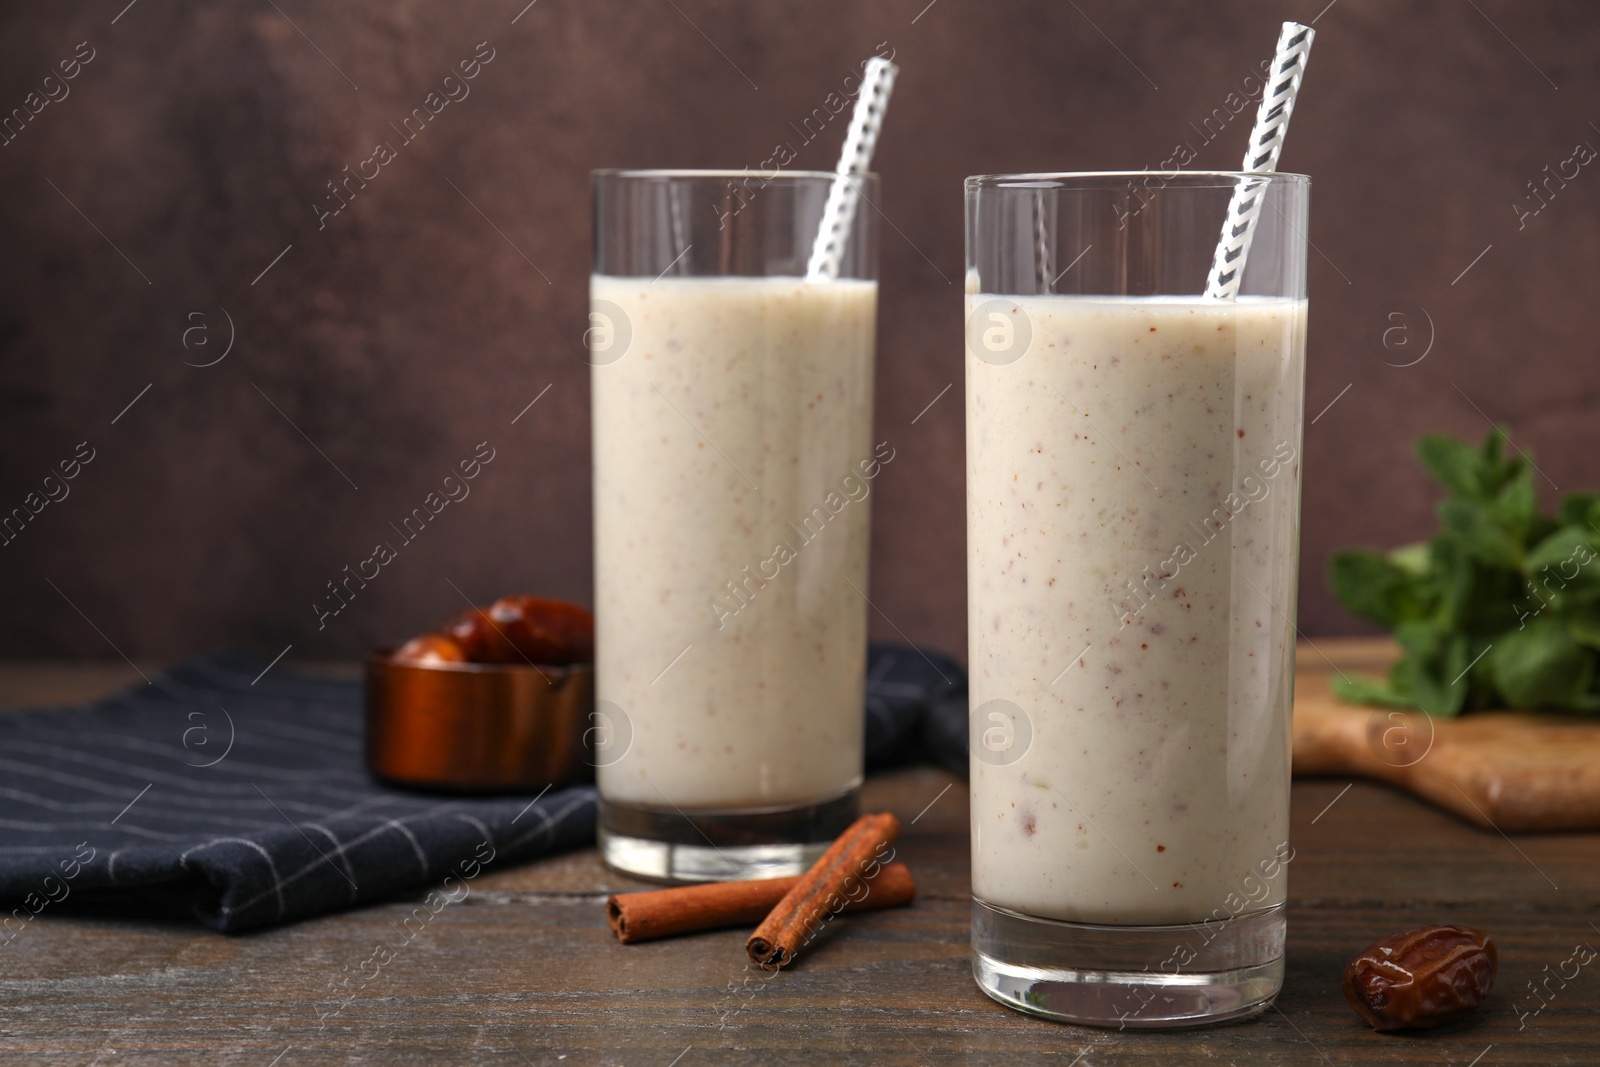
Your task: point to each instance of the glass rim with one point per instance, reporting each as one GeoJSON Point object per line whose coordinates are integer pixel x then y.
{"type": "Point", "coordinates": [676, 173]}
{"type": "Point", "coordinates": [1202, 179]}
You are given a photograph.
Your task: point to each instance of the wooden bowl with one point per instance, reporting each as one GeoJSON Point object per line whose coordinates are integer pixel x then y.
{"type": "Point", "coordinates": [478, 727]}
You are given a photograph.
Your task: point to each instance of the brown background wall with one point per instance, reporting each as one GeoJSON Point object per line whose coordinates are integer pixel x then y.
{"type": "Point", "coordinates": [408, 330]}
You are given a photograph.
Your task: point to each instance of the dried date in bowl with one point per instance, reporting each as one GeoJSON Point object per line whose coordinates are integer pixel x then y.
{"type": "Point", "coordinates": [528, 630]}
{"type": "Point", "coordinates": [1421, 978]}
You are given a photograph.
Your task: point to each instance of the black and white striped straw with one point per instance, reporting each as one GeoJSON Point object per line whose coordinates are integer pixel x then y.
{"type": "Point", "coordinates": [1266, 145]}
{"type": "Point", "coordinates": [866, 121]}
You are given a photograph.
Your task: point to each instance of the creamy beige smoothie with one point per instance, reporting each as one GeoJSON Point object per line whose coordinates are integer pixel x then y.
{"type": "Point", "coordinates": [1133, 489]}
{"type": "Point", "coordinates": [733, 462]}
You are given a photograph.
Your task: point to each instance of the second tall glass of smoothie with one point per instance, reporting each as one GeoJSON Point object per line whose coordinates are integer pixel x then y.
{"type": "Point", "coordinates": [733, 468]}
{"type": "Point", "coordinates": [1133, 487]}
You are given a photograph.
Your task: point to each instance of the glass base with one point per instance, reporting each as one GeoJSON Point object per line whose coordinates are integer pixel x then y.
{"type": "Point", "coordinates": [1188, 974]}
{"type": "Point", "coordinates": [668, 845]}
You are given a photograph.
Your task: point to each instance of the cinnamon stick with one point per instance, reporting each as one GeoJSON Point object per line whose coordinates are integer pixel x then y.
{"type": "Point", "coordinates": [686, 909]}
{"type": "Point", "coordinates": [838, 877]}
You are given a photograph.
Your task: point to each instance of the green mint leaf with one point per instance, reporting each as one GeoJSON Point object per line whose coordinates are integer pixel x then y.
{"type": "Point", "coordinates": [1422, 680]}
{"type": "Point", "coordinates": [1491, 446]}
{"type": "Point", "coordinates": [1457, 466]}
{"type": "Point", "coordinates": [1580, 509]}
{"type": "Point", "coordinates": [1421, 638]}
{"type": "Point", "coordinates": [1515, 506]}
{"type": "Point", "coordinates": [1541, 666]}
{"type": "Point", "coordinates": [1497, 470]}
{"type": "Point", "coordinates": [1541, 527]}
{"type": "Point", "coordinates": [1364, 689]}
{"type": "Point", "coordinates": [1368, 584]}
{"type": "Point", "coordinates": [1413, 559]}
{"type": "Point", "coordinates": [1479, 534]}
{"type": "Point", "coordinates": [1585, 629]}
{"type": "Point", "coordinates": [1565, 558]}
{"type": "Point", "coordinates": [1456, 687]}
{"type": "Point", "coordinates": [1455, 578]}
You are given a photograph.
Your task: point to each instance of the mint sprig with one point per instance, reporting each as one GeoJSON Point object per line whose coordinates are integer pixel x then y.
{"type": "Point", "coordinates": [1500, 609]}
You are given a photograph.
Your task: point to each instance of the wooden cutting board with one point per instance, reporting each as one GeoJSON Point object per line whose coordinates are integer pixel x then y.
{"type": "Point", "coordinates": [1503, 770]}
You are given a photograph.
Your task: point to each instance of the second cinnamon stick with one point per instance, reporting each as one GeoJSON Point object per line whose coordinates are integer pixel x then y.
{"type": "Point", "coordinates": [839, 876]}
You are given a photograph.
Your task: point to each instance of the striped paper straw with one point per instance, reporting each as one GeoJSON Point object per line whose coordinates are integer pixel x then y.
{"type": "Point", "coordinates": [877, 81]}
{"type": "Point", "coordinates": [1266, 145]}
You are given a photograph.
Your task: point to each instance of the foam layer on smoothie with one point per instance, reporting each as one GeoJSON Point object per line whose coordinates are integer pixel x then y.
{"type": "Point", "coordinates": [1133, 486]}
{"type": "Point", "coordinates": [740, 408]}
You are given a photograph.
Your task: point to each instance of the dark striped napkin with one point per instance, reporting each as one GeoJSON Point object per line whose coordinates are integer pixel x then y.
{"type": "Point", "coordinates": [240, 798]}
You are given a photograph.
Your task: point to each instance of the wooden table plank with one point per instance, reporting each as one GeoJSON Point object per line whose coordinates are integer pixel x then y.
{"type": "Point", "coordinates": [525, 970]}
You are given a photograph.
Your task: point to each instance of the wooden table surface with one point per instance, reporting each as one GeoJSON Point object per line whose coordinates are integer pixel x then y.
{"type": "Point", "coordinates": [526, 971]}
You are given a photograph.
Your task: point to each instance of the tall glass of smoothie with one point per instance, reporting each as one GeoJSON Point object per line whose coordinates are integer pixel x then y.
{"type": "Point", "coordinates": [1133, 495]}
{"type": "Point", "coordinates": [733, 464]}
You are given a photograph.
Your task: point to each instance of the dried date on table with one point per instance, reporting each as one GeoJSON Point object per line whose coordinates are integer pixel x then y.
{"type": "Point", "coordinates": [1421, 978]}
